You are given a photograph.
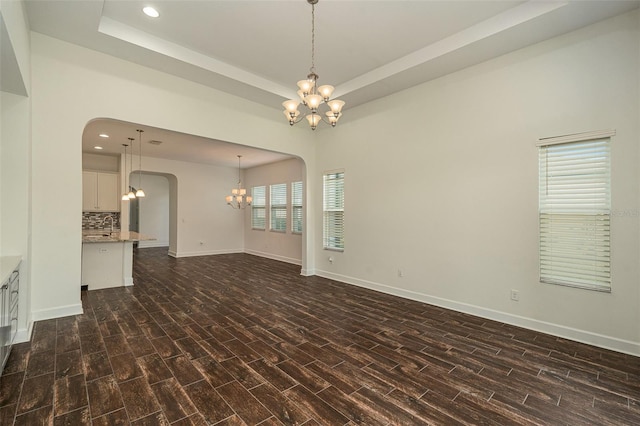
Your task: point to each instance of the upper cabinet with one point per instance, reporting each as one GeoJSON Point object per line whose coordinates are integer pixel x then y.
{"type": "Point", "coordinates": [100, 192]}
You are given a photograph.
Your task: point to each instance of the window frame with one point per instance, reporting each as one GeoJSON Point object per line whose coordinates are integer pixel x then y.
{"type": "Point", "coordinates": [574, 210]}
{"type": "Point", "coordinates": [256, 206]}
{"type": "Point", "coordinates": [277, 210]}
{"type": "Point", "coordinates": [332, 224]}
{"type": "Point", "coordinates": [297, 209]}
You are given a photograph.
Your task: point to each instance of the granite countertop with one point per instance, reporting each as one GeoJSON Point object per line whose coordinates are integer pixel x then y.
{"type": "Point", "coordinates": [7, 265]}
{"type": "Point", "coordinates": [104, 236]}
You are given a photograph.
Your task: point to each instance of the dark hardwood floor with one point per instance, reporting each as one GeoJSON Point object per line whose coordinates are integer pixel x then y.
{"type": "Point", "coordinates": [237, 339]}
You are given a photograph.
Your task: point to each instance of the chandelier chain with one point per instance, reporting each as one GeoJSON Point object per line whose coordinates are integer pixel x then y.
{"type": "Point", "coordinates": [313, 38]}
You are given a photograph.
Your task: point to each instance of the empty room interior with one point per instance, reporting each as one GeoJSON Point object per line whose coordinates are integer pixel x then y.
{"type": "Point", "coordinates": [319, 212]}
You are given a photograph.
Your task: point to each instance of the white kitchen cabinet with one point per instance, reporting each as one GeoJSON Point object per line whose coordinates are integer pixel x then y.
{"type": "Point", "coordinates": [100, 192]}
{"type": "Point", "coordinates": [9, 290]}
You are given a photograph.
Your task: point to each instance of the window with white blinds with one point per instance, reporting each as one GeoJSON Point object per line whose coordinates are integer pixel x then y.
{"type": "Point", "coordinates": [574, 211]}
{"type": "Point", "coordinates": [278, 207]}
{"type": "Point", "coordinates": [258, 207]}
{"type": "Point", "coordinates": [333, 211]}
{"type": "Point", "coordinates": [296, 207]}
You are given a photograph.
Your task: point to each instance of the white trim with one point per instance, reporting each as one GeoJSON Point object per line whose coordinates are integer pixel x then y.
{"type": "Point", "coordinates": [307, 272]}
{"type": "Point", "coordinates": [576, 137]}
{"type": "Point", "coordinates": [172, 253]}
{"type": "Point", "coordinates": [24, 334]}
{"type": "Point", "coordinates": [128, 282]}
{"type": "Point", "coordinates": [583, 336]}
{"type": "Point", "coordinates": [150, 244]}
{"type": "Point", "coordinates": [275, 257]}
{"type": "Point", "coordinates": [59, 312]}
{"type": "Point", "coordinates": [204, 253]}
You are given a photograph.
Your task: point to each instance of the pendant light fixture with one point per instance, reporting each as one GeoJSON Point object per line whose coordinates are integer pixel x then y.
{"type": "Point", "coordinates": [140, 192]}
{"type": "Point", "coordinates": [131, 194]}
{"type": "Point", "coordinates": [239, 198]}
{"type": "Point", "coordinates": [125, 196]}
{"type": "Point", "coordinates": [310, 94]}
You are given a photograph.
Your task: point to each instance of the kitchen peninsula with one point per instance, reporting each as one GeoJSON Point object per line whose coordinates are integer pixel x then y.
{"type": "Point", "coordinates": [107, 258]}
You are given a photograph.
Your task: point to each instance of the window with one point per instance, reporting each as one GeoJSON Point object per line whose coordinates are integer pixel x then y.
{"type": "Point", "coordinates": [278, 203]}
{"type": "Point", "coordinates": [333, 211]}
{"type": "Point", "coordinates": [296, 207]}
{"type": "Point", "coordinates": [574, 212]}
{"type": "Point", "coordinates": [258, 207]}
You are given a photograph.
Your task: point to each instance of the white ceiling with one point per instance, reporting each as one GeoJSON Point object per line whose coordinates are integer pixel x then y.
{"type": "Point", "coordinates": [173, 145]}
{"type": "Point", "coordinates": [259, 49]}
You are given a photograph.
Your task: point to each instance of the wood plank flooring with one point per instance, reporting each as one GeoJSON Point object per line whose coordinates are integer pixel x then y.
{"type": "Point", "coordinates": [237, 339]}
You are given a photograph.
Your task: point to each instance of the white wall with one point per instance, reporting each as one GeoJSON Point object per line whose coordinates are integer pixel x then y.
{"type": "Point", "coordinates": [283, 246]}
{"type": "Point", "coordinates": [441, 183]}
{"type": "Point", "coordinates": [204, 223]}
{"type": "Point", "coordinates": [90, 85]}
{"type": "Point", "coordinates": [154, 210]}
{"type": "Point", "coordinates": [14, 194]}
{"type": "Point", "coordinates": [15, 47]}
{"type": "Point", "coordinates": [15, 151]}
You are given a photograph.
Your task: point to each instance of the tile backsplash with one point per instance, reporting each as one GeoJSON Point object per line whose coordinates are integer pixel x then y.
{"type": "Point", "coordinates": [94, 220]}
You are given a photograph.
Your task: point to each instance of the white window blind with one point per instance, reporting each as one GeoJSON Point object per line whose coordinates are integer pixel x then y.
{"type": "Point", "coordinates": [333, 211]}
{"type": "Point", "coordinates": [258, 207]}
{"type": "Point", "coordinates": [296, 207]}
{"type": "Point", "coordinates": [278, 204]}
{"type": "Point", "coordinates": [574, 211]}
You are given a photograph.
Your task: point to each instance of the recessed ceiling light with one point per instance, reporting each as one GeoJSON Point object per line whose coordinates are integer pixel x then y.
{"type": "Point", "coordinates": [150, 11]}
{"type": "Point", "coordinates": [103, 135]}
{"type": "Point", "coordinates": [98, 147]}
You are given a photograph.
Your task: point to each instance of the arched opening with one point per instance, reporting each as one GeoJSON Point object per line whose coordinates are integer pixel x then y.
{"type": "Point", "coordinates": [186, 179]}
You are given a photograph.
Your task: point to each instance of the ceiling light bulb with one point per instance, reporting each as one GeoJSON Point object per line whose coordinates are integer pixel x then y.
{"type": "Point", "coordinates": [98, 147]}
{"type": "Point", "coordinates": [140, 193]}
{"type": "Point", "coordinates": [150, 11]}
{"type": "Point", "coordinates": [103, 135]}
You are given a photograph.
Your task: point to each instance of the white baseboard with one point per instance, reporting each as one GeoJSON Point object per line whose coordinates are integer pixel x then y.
{"type": "Point", "coordinates": [583, 336]}
{"type": "Point", "coordinates": [128, 282]}
{"type": "Point", "coordinates": [151, 244]}
{"type": "Point", "coordinates": [204, 253]}
{"type": "Point", "coordinates": [24, 334]}
{"type": "Point", "coordinates": [59, 312]}
{"type": "Point", "coordinates": [307, 272]}
{"type": "Point", "coordinates": [275, 257]}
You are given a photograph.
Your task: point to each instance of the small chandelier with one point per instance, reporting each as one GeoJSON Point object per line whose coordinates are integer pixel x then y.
{"type": "Point", "coordinates": [125, 196]}
{"type": "Point", "coordinates": [239, 198]}
{"type": "Point", "coordinates": [311, 95]}
{"type": "Point", "coordinates": [130, 194]}
{"type": "Point", "coordinates": [140, 192]}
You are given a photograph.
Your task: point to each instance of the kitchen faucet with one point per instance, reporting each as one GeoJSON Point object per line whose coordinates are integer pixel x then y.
{"type": "Point", "coordinates": [105, 219]}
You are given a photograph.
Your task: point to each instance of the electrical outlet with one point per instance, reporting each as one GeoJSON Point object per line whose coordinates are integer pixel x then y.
{"type": "Point", "coordinates": [515, 295]}
{"type": "Point", "coordinates": [330, 259]}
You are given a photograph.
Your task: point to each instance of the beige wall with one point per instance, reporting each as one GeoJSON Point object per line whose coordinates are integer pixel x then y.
{"type": "Point", "coordinates": [441, 183]}
{"type": "Point", "coordinates": [284, 246]}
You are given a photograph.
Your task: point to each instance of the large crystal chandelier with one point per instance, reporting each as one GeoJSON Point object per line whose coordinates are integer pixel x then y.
{"type": "Point", "coordinates": [311, 95]}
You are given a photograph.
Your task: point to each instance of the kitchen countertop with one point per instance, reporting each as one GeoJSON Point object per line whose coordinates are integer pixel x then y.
{"type": "Point", "coordinates": [113, 237]}
{"type": "Point", "coordinates": [7, 265]}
